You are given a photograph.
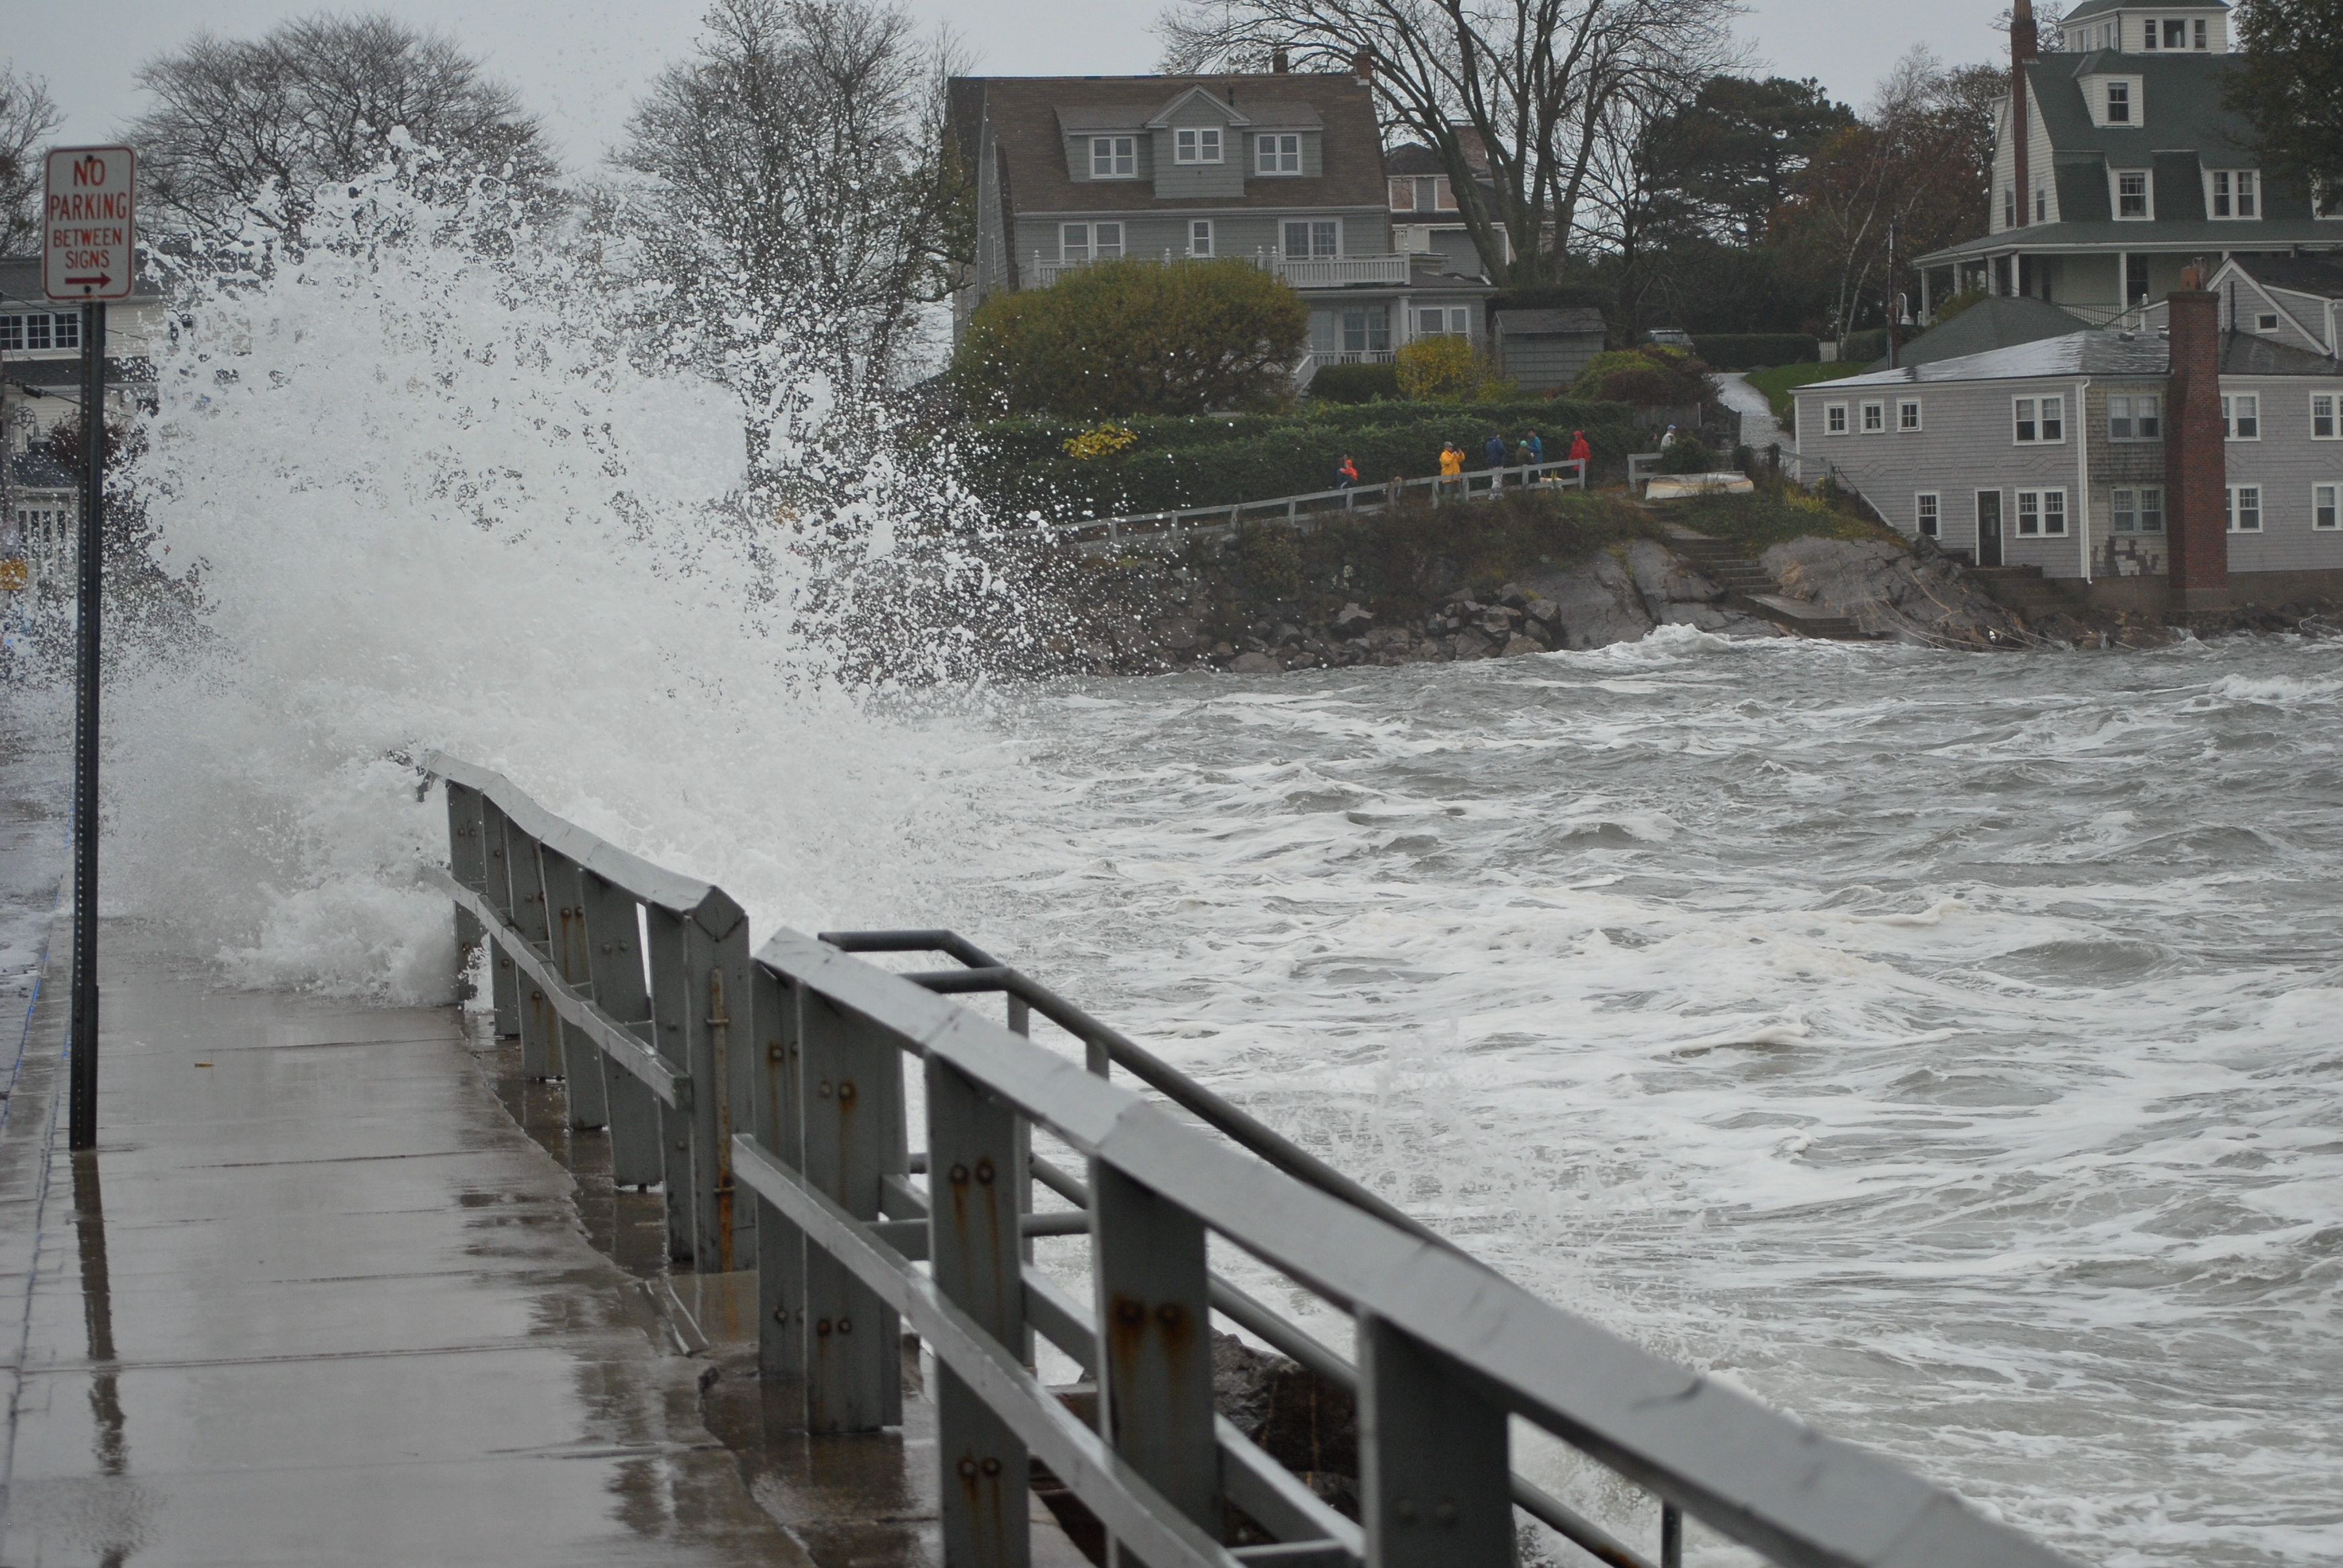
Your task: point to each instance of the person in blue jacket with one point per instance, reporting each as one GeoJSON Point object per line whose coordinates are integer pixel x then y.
{"type": "Point", "coordinates": [1493, 449]}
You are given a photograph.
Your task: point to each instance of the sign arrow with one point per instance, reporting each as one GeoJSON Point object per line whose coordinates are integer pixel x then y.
{"type": "Point", "coordinates": [101, 280]}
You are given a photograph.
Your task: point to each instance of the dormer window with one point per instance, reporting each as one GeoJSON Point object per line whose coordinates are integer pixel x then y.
{"type": "Point", "coordinates": [1196, 147]}
{"type": "Point", "coordinates": [2119, 103]}
{"type": "Point", "coordinates": [1280, 155]}
{"type": "Point", "coordinates": [2233, 193]}
{"type": "Point", "coordinates": [1114, 157]}
{"type": "Point", "coordinates": [2132, 194]}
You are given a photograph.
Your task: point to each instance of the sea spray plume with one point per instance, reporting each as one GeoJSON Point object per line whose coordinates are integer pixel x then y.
{"type": "Point", "coordinates": [420, 493]}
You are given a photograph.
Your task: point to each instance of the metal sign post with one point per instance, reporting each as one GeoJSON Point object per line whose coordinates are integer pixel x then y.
{"type": "Point", "coordinates": [85, 242]}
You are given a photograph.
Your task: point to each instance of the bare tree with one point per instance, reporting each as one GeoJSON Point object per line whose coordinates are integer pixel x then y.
{"type": "Point", "coordinates": [800, 208]}
{"type": "Point", "coordinates": [1912, 167]}
{"type": "Point", "coordinates": [244, 132]}
{"type": "Point", "coordinates": [27, 115]}
{"type": "Point", "coordinates": [1535, 85]}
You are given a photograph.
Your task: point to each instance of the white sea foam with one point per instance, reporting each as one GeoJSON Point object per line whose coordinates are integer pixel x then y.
{"type": "Point", "coordinates": [1942, 1048]}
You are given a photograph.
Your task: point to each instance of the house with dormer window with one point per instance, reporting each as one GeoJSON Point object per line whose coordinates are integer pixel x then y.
{"type": "Point", "coordinates": [2116, 165]}
{"type": "Point", "coordinates": [1285, 170]}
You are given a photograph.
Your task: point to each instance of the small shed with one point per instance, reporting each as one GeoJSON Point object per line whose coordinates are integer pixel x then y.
{"type": "Point", "coordinates": [1543, 349]}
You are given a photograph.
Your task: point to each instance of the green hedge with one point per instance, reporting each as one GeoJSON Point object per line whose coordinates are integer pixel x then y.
{"type": "Point", "coordinates": [1863, 347]}
{"type": "Point", "coordinates": [1355, 383]}
{"type": "Point", "coordinates": [1019, 467]}
{"type": "Point", "coordinates": [1755, 350]}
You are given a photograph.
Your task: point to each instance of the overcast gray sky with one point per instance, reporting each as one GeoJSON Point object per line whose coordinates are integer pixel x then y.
{"type": "Point", "coordinates": [582, 64]}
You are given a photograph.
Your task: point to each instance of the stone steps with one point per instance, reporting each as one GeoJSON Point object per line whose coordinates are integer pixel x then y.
{"type": "Point", "coordinates": [1749, 586]}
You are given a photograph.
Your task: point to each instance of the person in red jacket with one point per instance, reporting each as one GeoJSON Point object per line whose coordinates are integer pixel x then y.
{"type": "Point", "coordinates": [1580, 453]}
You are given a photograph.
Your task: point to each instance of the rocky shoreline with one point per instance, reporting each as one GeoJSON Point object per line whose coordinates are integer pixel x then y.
{"type": "Point", "coordinates": [1192, 615]}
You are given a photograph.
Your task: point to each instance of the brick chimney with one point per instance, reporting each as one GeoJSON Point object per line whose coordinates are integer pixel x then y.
{"type": "Point", "coordinates": [2196, 465]}
{"type": "Point", "coordinates": [1363, 65]}
{"type": "Point", "coordinates": [2024, 45]}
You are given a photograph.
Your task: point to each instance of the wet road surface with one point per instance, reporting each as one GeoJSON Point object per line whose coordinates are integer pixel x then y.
{"type": "Point", "coordinates": [317, 1299]}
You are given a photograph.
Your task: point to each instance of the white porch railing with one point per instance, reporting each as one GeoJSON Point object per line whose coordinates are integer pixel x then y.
{"type": "Point", "coordinates": [1335, 271]}
{"type": "Point", "coordinates": [1301, 271]}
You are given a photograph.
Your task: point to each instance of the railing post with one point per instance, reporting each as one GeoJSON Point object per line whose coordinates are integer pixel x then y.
{"type": "Point", "coordinates": [615, 958]}
{"type": "Point", "coordinates": [977, 1249]}
{"type": "Point", "coordinates": [540, 1040]}
{"type": "Point", "coordinates": [579, 1057]}
{"type": "Point", "coordinates": [1435, 1479]}
{"type": "Point", "coordinates": [1155, 1365]}
{"type": "Point", "coordinates": [467, 863]}
{"type": "Point", "coordinates": [777, 1122]}
{"type": "Point", "coordinates": [720, 1034]}
{"type": "Point", "coordinates": [852, 1076]}
{"type": "Point", "coordinates": [672, 1010]}
{"type": "Point", "coordinates": [504, 981]}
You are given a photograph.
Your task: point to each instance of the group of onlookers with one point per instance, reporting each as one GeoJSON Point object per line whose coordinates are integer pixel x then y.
{"type": "Point", "coordinates": [1528, 453]}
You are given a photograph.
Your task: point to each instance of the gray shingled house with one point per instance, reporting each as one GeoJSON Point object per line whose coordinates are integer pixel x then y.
{"type": "Point", "coordinates": [1284, 170]}
{"type": "Point", "coordinates": [2054, 454]}
{"type": "Point", "coordinates": [2116, 165]}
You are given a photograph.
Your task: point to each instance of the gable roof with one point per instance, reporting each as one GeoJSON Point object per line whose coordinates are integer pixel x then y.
{"type": "Point", "coordinates": [2296, 274]}
{"type": "Point", "coordinates": [1997, 321]}
{"type": "Point", "coordinates": [1163, 115]}
{"type": "Point", "coordinates": [2090, 8]}
{"type": "Point", "coordinates": [1031, 116]}
{"type": "Point", "coordinates": [2181, 106]}
{"type": "Point", "coordinates": [2093, 352]}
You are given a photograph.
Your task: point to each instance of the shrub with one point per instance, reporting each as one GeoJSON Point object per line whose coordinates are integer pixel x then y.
{"type": "Point", "coordinates": [1755, 350]}
{"type": "Point", "coordinates": [1863, 347]}
{"type": "Point", "coordinates": [1272, 562]}
{"type": "Point", "coordinates": [1101, 440]}
{"type": "Point", "coordinates": [1687, 455]}
{"type": "Point", "coordinates": [1651, 376]}
{"type": "Point", "coordinates": [1956, 303]}
{"type": "Point", "coordinates": [1136, 336]}
{"type": "Point", "coordinates": [1355, 383]}
{"type": "Point", "coordinates": [1448, 370]}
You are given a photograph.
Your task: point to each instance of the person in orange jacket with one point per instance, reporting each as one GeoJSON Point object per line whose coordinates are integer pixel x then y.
{"type": "Point", "coordinates": [1346, 473]}
{"type": "Point", "coordinates": [1452, 467]}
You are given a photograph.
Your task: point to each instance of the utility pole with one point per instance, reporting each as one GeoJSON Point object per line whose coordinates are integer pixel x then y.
{"type": "Point", "coordinates": [87, 259]}
{"type": "Point", "coordinates": [1895, 300]}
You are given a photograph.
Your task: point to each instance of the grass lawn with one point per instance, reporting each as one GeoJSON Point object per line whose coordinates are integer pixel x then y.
{"type": "Point", "coordinates": [1774, 514]}
{"type": "Point", "coordinates": [1779, 383]}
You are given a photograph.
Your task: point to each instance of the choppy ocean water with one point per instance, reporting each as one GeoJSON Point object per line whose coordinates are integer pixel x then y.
{"type": "Point", "coordinates": [1948, 1049]}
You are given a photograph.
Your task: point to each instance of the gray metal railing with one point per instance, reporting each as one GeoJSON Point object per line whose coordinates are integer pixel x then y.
{"type": "Point", "coordinates": [781, 1080]}
{"type": "Point", "coordinates": [1317, 506]}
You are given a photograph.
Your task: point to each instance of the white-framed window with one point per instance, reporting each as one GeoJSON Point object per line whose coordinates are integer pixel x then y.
{"type": "Point", "coordinates": [35, 331]}
{"type": "Point", "coordinates": [2232, 193]}
{"type": "Point", "coordinates": [2041, 514]}
{"type": "Point", "coordinates": [2009, 206]}
{"type": "Point", "coordinates": [2134, 195]}
{"type": "Point", "coordinates": [1277, 154]}
{"type": "Point", "coordinates": [1201, 146]}
{"type": "Point", "coordinates": [1081, 242]}
{"type": "Point", "coordinates": [2119, 103]}
{"type": "Point", "coordinates": [2038, 421]}
{"type": "Point", "coordinates": [1366, 329]}
{"type": "Point", "coordinates": [2041, 198]}
{"type": "Point", "coordinates": [1875, 418]}
{"type": "Point", "coordinates": [1907, 414]}
{"type": "Point", "coordinates": [1927, 512]}
{"type": "Point", "coordinates": [1114, 157]}
{"type": "Point", "coordinates": [1311, 238]}
{"type": "Point", "coordinates": [2241, 508]}
{"type": "Point", "coordinates": [2323, 425]}
{"type": "Point", "coordinates": [2325, 507]}
{"type": "Point", "coordinates": [2266, 321]}
{"type": "Point", "coordinates": [1443, 321]}
{"type": "Point", "coordinates": [2139, 511]}
{"type": "Point", "coordinates": [2242, 416]}
{"type": "Point", "coordinates": [2135, 417]}
{"type": "Point", "coordinates": [1200, 236]}
{"type": "Point", "coordinates": [1834, 418]}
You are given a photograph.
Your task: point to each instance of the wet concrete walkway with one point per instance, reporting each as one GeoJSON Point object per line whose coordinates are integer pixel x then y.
{"type": "Point", "coordinates": [318, 1299]}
